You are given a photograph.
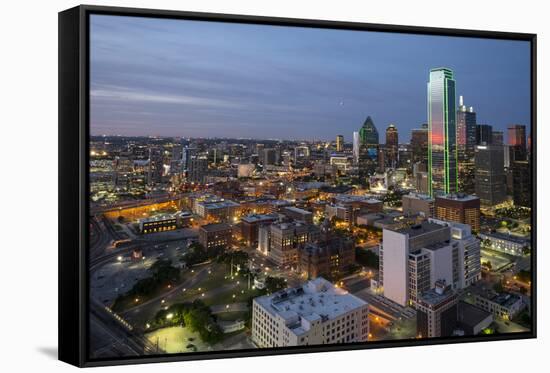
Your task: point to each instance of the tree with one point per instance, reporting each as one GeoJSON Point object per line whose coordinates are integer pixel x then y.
{"type": "Point", "coordinates": [366, 258]}
{"type": "Point", "coordinates": [498, 287]}
{"type": "Point", "coordinates": [273, 284]}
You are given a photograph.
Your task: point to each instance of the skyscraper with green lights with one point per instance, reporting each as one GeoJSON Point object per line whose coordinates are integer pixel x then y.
{"type": "Point", "coordinates": [442, 151]}
{"type": "Point", "coordinates": [368, 146]}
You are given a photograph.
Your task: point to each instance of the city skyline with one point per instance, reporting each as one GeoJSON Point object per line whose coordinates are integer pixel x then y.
{"type": "Point", "coordinates": [223, 219]}
{"type": "Point", "coordinates": [322, 90]}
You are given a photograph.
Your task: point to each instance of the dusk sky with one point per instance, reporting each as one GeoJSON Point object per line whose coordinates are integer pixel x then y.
{"type": "Point", "coordinates": [180, 78]}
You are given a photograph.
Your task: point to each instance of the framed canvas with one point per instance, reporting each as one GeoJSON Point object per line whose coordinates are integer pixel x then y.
{"type": "Point", "coordinates": [234, 186]}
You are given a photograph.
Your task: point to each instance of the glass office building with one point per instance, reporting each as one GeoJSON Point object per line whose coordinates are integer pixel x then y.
{"type": "Point", "coordinates": [442, 152]}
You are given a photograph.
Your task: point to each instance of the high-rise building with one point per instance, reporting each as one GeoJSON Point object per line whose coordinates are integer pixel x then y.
{"type": "Point", "coordinates": [339, 143]}
{"type": "Point", "coordinates": [490, 185]}
{"type": "Point", "coordinates": [498, 138]}
{"type": "Point", "coordinates": [465, 131]}
{"type": "Point", "coordinates": [268, 156]}
{"type": "Point", "coordinates": [186, 155]}
{"type": "Point", "coordinates": [442, 132]}
{"type": "Point", "coordinates": [312, 314]}
{"type": "Point", "coordinates": [521, 176]}
{"type": "Point", "coordinates": [419, 144]}
{"type": "Point", "coordinates": [198, 167]}
{"type": "Point", "coordinates": [413, 258]}
{"type": "Point", "coordinates": [459, 208]}
{"type": "Point", "coordinates": [517, 142]}
{"type": "Point", "coordinates": [176, 161]}
{"type": "Point", "coordinates": [392, 145]}
{"type": "Point", "coordinates": [356, 145]}
{"type": "Point", "coordinates": [368, 146]}
{"type": "Point", "coordinates": [156, 166]}
{"type": "Point", "coordinates": [484, 134]}
{"type": "Point", "coordinates": [404, 157]}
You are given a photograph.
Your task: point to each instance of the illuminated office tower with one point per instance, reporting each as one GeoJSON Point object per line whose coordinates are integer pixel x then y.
{"type": "Point", "coordinates": [498, 138]}
{"type": "Point", "coordinates": [484, 134]}
{"type": "Point", "coordinates": [442, 165]}
{"type": "Point", "coordinates": [356, 147]}
{"type": "Point", "coordinates": [368, 146]}
{"type": "Point", "coordinates": [392, 146]}
{"type": "Point", "coordinates": [517, 142]}
{"type": "Point", "coordinates": [419, 144]}
{"type": "Point", "coordinates": [339, 143]}
{"type": "Point", "coordinates": [465, 131]}
{"type": "Point", "coordinates": [490, 185]}
{"type": "Point", "coordinates": [156, 165]}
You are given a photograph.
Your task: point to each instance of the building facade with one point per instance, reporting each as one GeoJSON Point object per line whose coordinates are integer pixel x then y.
{"type": "Point", "coordinates": [490, 178]}
{"type": "Point", "coordinates": [459, 208]}
{"type": "Point", "coordinates": [315, 313]}
{"type": "Point", "coordinates": [442, 132]}
{"type": "Point", "coordinates": [215, 236]}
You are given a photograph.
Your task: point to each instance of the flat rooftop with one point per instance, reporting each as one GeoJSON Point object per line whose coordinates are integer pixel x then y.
{"type": "Point", "coordinates": [215, 227]}
{"type": "Point", "coordinates": [471, 315]}
{"type": "Point", "coordinates": [157, 218]}
{"type": "Point", "coordinates": [432, 297]}
{"type": "Point", "coordinates": [418, 229]}
{"type": "Point", "coordinates": [422, 197]}
{"type": "Point", "coordinates": [254, 218]}
{"type": "Point", "coordinates": [316, 299]}
{"type": "Point", "coordinates": [219, 205]}
{"type": "Point", "coordinates": [507, 237]}
{"type": "Point", "coordinates": [458, 197]}
{"type": "Point", "coordinates": [343, 198]}
{"type": "Point", "coordinates": [298, 210]}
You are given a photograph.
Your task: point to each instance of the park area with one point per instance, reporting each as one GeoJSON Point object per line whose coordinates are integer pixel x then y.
{"type": "Point", "coordinates": [176, 339]}
{"type": "Point", "coordinates": [219, 288]}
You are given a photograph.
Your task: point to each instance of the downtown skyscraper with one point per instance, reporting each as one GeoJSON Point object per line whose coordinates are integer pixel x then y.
{"type": "Point", "coordinates": [369, 145]}
{"type": "Point", "coordinates": [442, 152]}
{"type": "Point", "coordinates": [392, 145]}
{"type": "Point", "coordinates": [465, 131]}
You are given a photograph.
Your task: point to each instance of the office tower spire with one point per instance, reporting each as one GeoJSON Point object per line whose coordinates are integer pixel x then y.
{"type": "Point", "coordinates": [442, 166]}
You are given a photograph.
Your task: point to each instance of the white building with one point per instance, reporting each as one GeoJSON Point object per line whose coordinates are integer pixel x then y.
{"type": "Point", "coordinates": [506, 243]}
{"type": "Point", "coordinates": [413, 258]}
{"type": "Point", "coordinates": [313, 314]}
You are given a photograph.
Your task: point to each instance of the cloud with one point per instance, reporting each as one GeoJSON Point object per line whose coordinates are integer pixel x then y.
{"type": "Point", "coordinates": [125, 94]}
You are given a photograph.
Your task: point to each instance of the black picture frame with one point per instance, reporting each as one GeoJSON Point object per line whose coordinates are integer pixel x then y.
{"type": "Point", "coordinates": [73, 180]}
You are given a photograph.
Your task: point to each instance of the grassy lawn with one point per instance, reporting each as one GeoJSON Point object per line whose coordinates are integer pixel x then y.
{"type": "Point", "coordinates": [219, 288]}
{"type": "Point", "coordinates": [175, 339]}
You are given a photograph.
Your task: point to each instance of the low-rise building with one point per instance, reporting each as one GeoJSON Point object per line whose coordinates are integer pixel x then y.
{"type": "Point", "coordinates": [415, 203]}
{"type": "Point", "coordinates": [296, 213]}
{"type": "Point", "coordinates": [215, 236]}
{"type": "Point", "coordinates": [472, 320]}
{"type": "Point", "coordinates": [436, 311]}
{"type": "Point", "coordinates": [250, 226]}
{"type": "Point", "coordinates": [215, 208]}
{"type": "Point", "coordinates": [284, 240]}
{"type": "Point", "coordinates": [505, 243]}
{"type": "Point", "coordinates": [331, 258]}
{"type": "Point", "coordinates": [158, 223]}
{"type": "Point", "coordinates": [347, 207]}
{"type": "Point", "coordinates": [315, 313]}
{"type": "Point", "coordinates": [502, 305]}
